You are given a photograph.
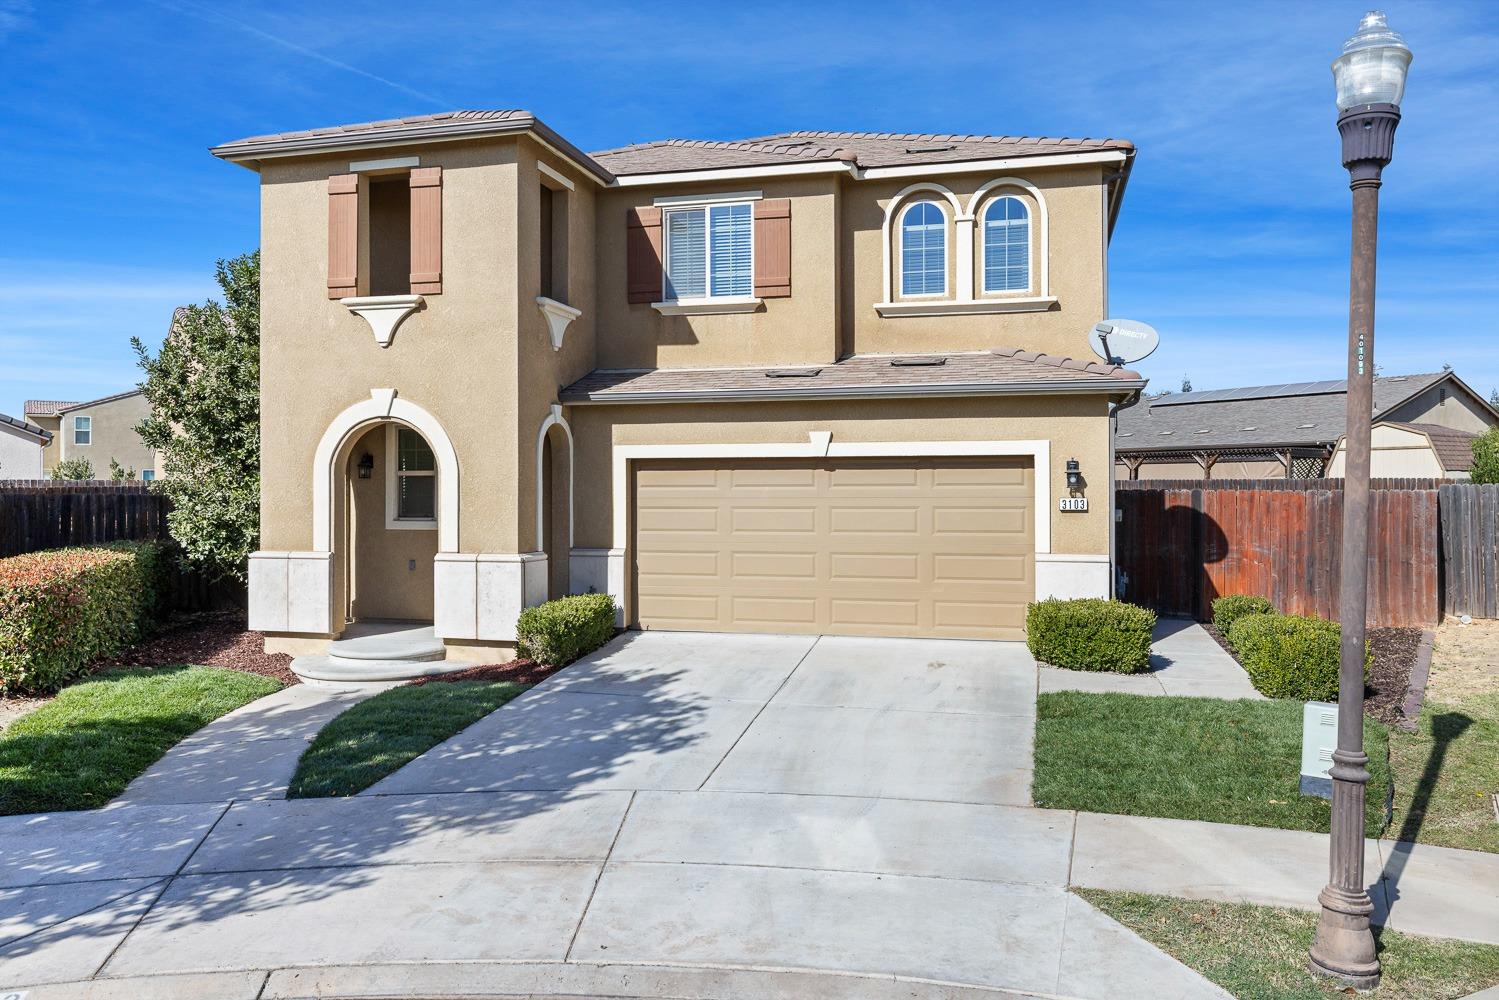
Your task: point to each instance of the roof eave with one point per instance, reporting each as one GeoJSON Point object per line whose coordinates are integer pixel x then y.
{"type": "Point", "coordinates": [1081, 386]}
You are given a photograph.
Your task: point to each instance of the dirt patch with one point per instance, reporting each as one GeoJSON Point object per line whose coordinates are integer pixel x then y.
{"type": "Point", "coordinates": [1394, 651]}
{"type": "Point", "coordinates": [1465, 662]}
{"type": "Point", "coordinates": [216, 639]}
{"type": "Point", "coordinates": [12, 707]}
{"type": "Point", "coordinates": [519, 671]}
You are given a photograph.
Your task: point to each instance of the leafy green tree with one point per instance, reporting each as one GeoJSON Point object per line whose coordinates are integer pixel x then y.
{"type": "Point", "coordinates": [1186, 383]}
{"type": "Point", "coordinates": [73, 468]}
{"type": "Point", "coordinates": [1486, 457]}
{"type": "Point", "coordinates": [119, 473]}
{"type": "Point", "coordinates": [1494, 398]}
{"type": "Point", "coordinates": [204, 390]}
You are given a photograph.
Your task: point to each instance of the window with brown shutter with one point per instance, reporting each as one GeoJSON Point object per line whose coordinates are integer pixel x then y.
{"type": "Point", "coordinates": [343, 236]}
{"type": "Point", "coordinates": [426, 230]}
{"type": "Point", "coordinates": [773, 248]}
{"type": "Point", "coordinates": [643, 254]}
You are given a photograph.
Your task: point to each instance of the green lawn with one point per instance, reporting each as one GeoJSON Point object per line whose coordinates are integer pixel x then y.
{"type": "Point", "coordinates": [1186, 758]}
{"type": "Point", "coordinates": [1445, 773]}
{"type": "Point", "coordinates": [1259, 952]}
{"type": "Point", "coordinates": [83, 747]}
{"type": "Point", "coordinates": [384, 733]}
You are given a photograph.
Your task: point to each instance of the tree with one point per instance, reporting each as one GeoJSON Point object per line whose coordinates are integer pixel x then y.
{"type": "Point", "coordinates": [73, 468]}
{"type": "Point", "coordinates": [1494, 398]}
{"type": "Point", "coordinates": [119, 473]}
{"type": "Point", "coordinates": [204, 390]}
{"type": "Point", "coordinates": [1486, 457]}
{"type": "Point", "coordinates": [1186, 383]}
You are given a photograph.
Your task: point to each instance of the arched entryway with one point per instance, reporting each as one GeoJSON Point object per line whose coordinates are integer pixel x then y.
{"type": "Point", "coordinates": [554, 499]}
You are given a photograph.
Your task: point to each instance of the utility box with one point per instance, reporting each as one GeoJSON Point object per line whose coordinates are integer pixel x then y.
{"type": "Point", "coordinates": [1319, 737]}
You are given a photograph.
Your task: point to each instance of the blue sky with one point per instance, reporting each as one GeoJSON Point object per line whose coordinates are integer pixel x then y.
{"type": "Point", "coordinates": [1233, 241]}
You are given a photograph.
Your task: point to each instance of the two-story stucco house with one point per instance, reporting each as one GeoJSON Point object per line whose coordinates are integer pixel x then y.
{"type": "Point", "coordinates": [819, 382]}
{"type": "Point", "coordinates": [100, 430]}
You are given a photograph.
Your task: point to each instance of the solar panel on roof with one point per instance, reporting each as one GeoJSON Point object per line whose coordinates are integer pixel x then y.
{"type": "Point", "coordinates": [1253, 392]}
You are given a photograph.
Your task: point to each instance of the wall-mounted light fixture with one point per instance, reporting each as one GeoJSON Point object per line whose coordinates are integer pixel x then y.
{"type": "Point", "coordinates": [366, 465]}
{"type": "Point", "coordinates": [1074, 476]}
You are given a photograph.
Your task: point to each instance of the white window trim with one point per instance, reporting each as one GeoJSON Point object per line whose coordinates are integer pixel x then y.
{"type": "Point", "coordinates": [148, 475]}
{"type": "Point", "coordinates": [981, 225]}
{"type": "Point", "coordinates": [947, 220]}
{"type": "Point", "coordinates": [393, 483]}
{"type": "Point", "coordinates": [706, 304]}
{"type": "Point", "coordinates": [89, 430]}
{"type": "Point", "coordinates": [892, 215]}
{"type": "Point", "coordinates": [683, 200]}
{"type": "Point", "coordinates": [1039, 284]}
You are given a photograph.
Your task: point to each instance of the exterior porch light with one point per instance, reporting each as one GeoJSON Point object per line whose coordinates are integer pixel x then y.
{"type": "Point", "coordinates": [366, 465]}
{"type": "Point", "coordinates": [1370, 79]}
{"type": "Point", "coordinates": [1074, 476]}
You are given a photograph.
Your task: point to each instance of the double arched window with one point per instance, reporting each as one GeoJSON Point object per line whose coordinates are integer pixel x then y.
{"type": "Point", "coordinates": [923, 250]}
{"type": "Point", "coordinates": [1007, 245]}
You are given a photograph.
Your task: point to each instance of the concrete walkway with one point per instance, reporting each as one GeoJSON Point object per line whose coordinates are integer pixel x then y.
{"type": "Point", "coordinates": [1184, 661]}
{"type": "Point", "coordinates": [675, 816]}
{"type": "Point", "coordinates": [251, 753]}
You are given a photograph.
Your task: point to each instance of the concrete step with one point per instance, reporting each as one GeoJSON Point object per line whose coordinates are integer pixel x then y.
{"type": "Point", "coordinates": [340, 670]}
{"type": "Point", "coordinates": [387, 641]}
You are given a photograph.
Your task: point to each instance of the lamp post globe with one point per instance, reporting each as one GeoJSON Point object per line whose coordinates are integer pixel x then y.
{"type": "Point", "coordinates": [1370, 78]}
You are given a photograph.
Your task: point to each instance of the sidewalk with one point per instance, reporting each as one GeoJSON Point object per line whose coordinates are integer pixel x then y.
{"type": "Point", "coordinates": [1184, 661]}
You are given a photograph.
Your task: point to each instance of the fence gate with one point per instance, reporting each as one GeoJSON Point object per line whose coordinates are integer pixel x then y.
{"type": "Point", "coordinates": [1470, 549]}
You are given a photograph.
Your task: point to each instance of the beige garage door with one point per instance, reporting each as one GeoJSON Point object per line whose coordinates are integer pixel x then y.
{"type": "Point", "coordinates": [898, 547]}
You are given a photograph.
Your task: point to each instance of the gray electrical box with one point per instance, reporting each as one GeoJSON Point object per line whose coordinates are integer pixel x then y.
{"type": "Point", "coordinates": [1319, 737]}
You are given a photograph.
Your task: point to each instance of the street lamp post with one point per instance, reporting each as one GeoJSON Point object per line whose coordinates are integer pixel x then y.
{"type": "Point", "coordinates": [1370, 77]}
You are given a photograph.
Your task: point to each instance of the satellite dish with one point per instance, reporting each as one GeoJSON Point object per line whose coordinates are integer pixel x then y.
{"type": "Point", "coordinates": [1123, 341]}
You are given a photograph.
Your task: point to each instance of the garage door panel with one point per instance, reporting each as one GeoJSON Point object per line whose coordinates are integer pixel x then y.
{"type": "Point", "coordinates": [897, 547]}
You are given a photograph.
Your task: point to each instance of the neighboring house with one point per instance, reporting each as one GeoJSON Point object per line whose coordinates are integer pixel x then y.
{"type": "Point", "coordinates": [819, 382]}
{"type": "Point", "coordinates": [99, 430]}
{"type": "Point", "coordinates": [21, 445]}
{"type": "Point", "coordinates": [1423, 425]}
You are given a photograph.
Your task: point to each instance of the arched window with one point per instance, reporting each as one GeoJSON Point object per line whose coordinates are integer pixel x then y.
{"type": "Point", "coordinates": [1007, 246]}
{"type": "Point", "coordinates": [923, 250]}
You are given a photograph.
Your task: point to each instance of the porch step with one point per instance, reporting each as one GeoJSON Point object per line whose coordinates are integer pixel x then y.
{"type": "Point", "coordinates": [378, 652]}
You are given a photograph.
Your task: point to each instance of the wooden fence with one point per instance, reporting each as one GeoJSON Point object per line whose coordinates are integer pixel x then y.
{"type": "Point", "coordinates": [1178, 549]}
{"type": "Point", "coordinates": [1470, 549]}
{"type": "Point", "coordinates": [44, 514]}
{"type": "Point", "coordinates": [1271, 484]}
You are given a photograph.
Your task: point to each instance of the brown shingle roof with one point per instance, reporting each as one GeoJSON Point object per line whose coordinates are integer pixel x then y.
{"type": "Point", "coordinates": [1003, 370]}
{"type": "Point", "coordinates": [47, 407]}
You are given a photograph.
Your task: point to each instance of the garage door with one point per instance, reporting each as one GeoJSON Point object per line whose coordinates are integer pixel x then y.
{"type": "Point", "coordinates": [896, 547]}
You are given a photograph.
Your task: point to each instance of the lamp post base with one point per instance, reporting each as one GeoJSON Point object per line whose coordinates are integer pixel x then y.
{"type": "Point", "coordinates": [1344, 946]}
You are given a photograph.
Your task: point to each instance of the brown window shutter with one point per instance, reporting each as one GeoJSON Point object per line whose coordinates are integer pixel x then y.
{"type": "Point", "coordinates": [773, 248]}
{"type": "Point", "coordinates": [643, 254]}
{"type": "Point", "coordinates": [343, 235]}
{"type": "Point", "coordinates": [426, 230]}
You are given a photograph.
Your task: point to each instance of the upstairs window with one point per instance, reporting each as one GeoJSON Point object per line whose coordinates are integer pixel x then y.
{"type": "Point", "coordinates": [1007, 246]}
{"type": "Point", "coordinates": [385, 230]}
{"type": "Point", "coordinates": [709, 252]}
{"type": "Point", "coordinates": [923, 250]}
{"type": "Point", "coordinates": [83, 430]}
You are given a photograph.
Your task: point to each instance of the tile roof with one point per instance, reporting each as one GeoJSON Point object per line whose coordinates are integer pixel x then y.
{"type": "Point", "coordinates": [26, 426]}
{"type": "Point", "coordinates": [102, 399]}
{"type": "Point", "coordinates": [1003, 370]}
{"type": "Point", "coordinates": [47, 407]}
{"type": "Point", "coordinates": [1454, 448]}
{"type": "Point", "coordinates": [1302, 413]}
{"type": "Point", "coordinates": [866, 149]}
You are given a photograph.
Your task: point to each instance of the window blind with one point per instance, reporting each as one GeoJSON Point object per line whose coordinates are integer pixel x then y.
{"type": "Point", "coordinates": [686, 254]}
{"type": "Point", "coordinates": [729, 265]}
{"type": "Point", "coordinates": [923, 266]}
{"type": "Point", "coordinates": [1007, 246]}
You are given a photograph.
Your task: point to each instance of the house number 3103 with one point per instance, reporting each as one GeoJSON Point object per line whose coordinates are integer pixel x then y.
{"type": "Point", "coordinates": [1072, 503]}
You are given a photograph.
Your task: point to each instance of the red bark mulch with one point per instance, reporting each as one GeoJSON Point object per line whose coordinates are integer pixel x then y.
{"type": "Point", "coordinates": [519, 671]}
{"type": "Point", "coordinates": [216, 639]}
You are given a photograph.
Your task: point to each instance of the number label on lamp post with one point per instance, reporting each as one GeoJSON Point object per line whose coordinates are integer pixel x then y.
{"type": "Point", "coordinates": [1072, 504]}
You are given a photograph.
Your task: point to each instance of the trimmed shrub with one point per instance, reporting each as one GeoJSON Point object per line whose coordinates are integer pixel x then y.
{"type": "Point", "coordinates": [558, 632]}
{"type": "Point", "coordinates": [1227, 610]}
{"type": "Point", "coordinates": [1290, 656]}
{"type": "Point", "coordinates": [62, 609]}
{"type": "Point", "coordinates": [1090, 634]}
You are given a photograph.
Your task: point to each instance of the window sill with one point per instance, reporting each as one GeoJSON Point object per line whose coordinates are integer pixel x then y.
{"type": "Point", "coordinates": [409, 524]}
{"type": "Point", "coordinates": [971, 307]}
{"type": "Point", "coordinates": [558, 316]}
{"type": "Point", "coordinates": [384, 313]}
{"type": "Point", "coordinates": [707, 307]}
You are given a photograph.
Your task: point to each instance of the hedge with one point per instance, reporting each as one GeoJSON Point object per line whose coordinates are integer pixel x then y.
{"type": "Point", "coordinates": [1090, 634]}
{"type": "Point", "coordinates": [63, 608]}
{"type": "Point", "coordinates": [558, 632]}
{"type": "Point", "coordinates": [1227, 610]}
{"type": "Point", "coordinates": [1289, 656]}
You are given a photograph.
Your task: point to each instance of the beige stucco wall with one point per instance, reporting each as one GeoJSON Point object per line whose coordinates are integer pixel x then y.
{"type": "Point", "coordinates": [798, 329]}
{"type": "Point", "coordinates": [49, 453]}
{"type": "Point", "coordinates": [1460, 411]}
{"type": "Point", "coordinates": [113, 437]}
{"type": "Point", "coordinates": [1076, 426]}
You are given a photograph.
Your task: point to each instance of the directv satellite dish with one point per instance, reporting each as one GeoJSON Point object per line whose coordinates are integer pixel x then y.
{"type": "Point", "coordinates": [1123, 341]}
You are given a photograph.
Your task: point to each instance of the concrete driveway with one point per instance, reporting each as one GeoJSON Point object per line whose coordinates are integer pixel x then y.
{"type": "Point", "coordinates": [680, 815]}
